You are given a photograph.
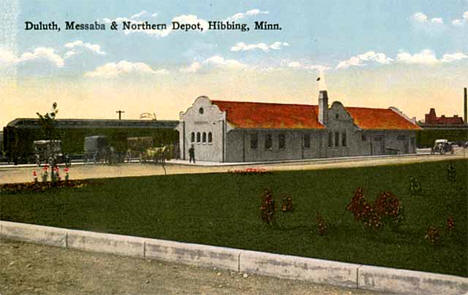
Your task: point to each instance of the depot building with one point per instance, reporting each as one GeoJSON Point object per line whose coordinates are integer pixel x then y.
{"type": "Point", "coordinates": [234, 131]}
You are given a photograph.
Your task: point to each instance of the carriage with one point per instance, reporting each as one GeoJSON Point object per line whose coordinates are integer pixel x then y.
{"type": "Point", "coordinates": [97, 149]}
{"type": "Point", "coordinates": [137, 146]}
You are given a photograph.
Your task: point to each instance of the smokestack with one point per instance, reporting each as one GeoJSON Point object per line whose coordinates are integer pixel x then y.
{"type": "Point", "coordinates": [323, 107]}
{"type": "Point", "coordinates": [465, 115]}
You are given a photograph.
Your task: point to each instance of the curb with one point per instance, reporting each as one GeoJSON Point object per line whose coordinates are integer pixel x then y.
{"type": "Point", "coordinates": [282, 266]}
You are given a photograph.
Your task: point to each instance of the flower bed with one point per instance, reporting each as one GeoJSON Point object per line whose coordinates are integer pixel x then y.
{"type": "Point", "coordinates": [14, 188]}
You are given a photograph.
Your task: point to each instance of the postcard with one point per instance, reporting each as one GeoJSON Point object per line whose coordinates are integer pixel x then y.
{"type": "Point", "coordinates": [320, 129]}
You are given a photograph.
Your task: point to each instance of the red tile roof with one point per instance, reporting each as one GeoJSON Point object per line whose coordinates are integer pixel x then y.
{"type": "Point", "coordinates": [298, 116]}
{"type": "Point", "coordinates": [380, 119]}
{"type": "Point", "coordinates": [270, 115]}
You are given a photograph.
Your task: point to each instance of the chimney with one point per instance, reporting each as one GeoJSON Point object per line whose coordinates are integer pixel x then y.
{"type": "Point", "coordinates": [465, 115]}
{"type": "Point", "coordinates": [323, 107]}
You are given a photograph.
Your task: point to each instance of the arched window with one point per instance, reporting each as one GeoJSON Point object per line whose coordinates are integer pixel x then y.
{"type": "Point", "coordinates": [192, 137]}
{"type": "Point", "coordinates": [210, 137]}
{"type": "Point", "coordinates": [204, 136]}
{"type": "Point", "coordinates": [198, 137]}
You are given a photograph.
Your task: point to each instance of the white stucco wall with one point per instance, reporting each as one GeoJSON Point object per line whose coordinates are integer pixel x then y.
{"type": "Point", "coordinates": [202, 117]}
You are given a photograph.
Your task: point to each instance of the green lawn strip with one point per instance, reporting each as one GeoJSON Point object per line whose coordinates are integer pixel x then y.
{"type": "Point", "coordinates": [223, 210]}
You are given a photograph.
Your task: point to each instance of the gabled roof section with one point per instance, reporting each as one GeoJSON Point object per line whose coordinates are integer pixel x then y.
{"type": "Point", "coordinates": [270, 115]}
{"type": "Point", "coordinates": [380, 119]}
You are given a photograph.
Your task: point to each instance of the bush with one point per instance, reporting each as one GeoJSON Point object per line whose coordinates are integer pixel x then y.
{"type": "Point", "coordinates": [386, 209]}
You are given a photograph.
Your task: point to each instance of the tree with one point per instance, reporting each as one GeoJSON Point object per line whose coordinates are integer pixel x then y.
{"type": "Point", "coordinates": [47, 122]}
{"type": "Point", "coordinates": [48, 125]}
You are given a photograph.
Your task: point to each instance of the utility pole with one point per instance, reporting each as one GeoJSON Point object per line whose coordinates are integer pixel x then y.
{"type": "Point", "coordinates": [120, 114]}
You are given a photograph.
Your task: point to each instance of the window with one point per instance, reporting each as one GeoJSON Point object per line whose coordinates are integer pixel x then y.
{"type": "Point", "coordinates": [337, 139]}
{"type": "Point", "coordinates": [253, 141]}
{"type": "Point", "coordinates": [306, 139]}
{"type": "Point", "coordinates": [200, 110]}
{"type": "Point", "coordinates": [210, 137]}
{"type": "Point", "coordinates": [204, 137]}
{"type": "Point", "coordinates": [268, 142]}
{"type": "Point", "coordinates": [343, 138]}
{"type": "Point", "coordinates": [337, 116]}
{"type": "Point", "coordinates": [281, 141]}
{"type": "Point", "coordinates": [330, 139]}
{"type": "Point", "coordinates": [198, 137]}
{"type": "Point", "coordinates": [192, 139]}
{"type": "Point", "coordinates": [401, 137]}
{"type": "Point", "coordinates": [363, 137]}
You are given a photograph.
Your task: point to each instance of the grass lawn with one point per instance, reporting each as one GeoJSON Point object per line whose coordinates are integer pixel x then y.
{"type": "Point", "coordinates": [223, 209]}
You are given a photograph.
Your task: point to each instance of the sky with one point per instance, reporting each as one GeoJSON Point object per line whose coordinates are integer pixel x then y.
{"type": "Point", "coordinates": [373, 53]}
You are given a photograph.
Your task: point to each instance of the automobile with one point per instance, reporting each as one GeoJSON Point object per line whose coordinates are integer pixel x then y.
{"type": "Point", "coordinates": [46, 151]}
{"type": "Point", "coordinates": [442, 146]}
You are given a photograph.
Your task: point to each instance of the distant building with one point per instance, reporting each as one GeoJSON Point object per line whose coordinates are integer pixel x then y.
{"type": "Point", "coordinates": [432, 119]}
{"type": "Point", "coordinates": [229, 131]}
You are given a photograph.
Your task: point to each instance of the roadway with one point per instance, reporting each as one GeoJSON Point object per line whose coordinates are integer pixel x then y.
{"type": "Point", "coordinates": [24, 173]}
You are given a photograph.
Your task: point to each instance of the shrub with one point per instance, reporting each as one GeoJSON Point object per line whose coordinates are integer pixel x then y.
{"type": "Point", "coordinates": [415, 186]}
{"type": "Point", "coordinates": [386, 209]}
{"type": "Point", "coordinates": [363, 211]}
{"type": "Point", "coordinates": [267, 207]}
{"type": "Point", "coordinates": [432, 235]}
{"type": "Point", "coordinates": [451, 173]}
{"type": "Point", "coordinates": [322, 225]}
{"type": "Point", "coordinates": [287, 205]}
{"type": "Point", "coordinates": [450, 224]}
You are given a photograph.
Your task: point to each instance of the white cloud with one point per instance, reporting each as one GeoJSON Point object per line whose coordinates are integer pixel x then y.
{"type": "Point", "coordinates": [123, 68]}
{"type": "Point", "coordinates": [460, 22]}
{"type": "Point", "coordinates": [69, 54]}
{"type": "Point", "coordinates": [437, 20]}
{"type": "Point", "coordinates": [40, 53]}
{"type": "Point", "coordinates": [80, 44]}
{"type": "Point", "coordinates": [426, 57]}
{"type": "Point", "coordinates": [215, 61]}
{"type": "Point", "coordinates": [303, 66]}
{"type": "Point", "coordinates": [194, 67]}
{"type": "Point", "coordinates": [139, 14]}
{"type": "Point", "coordinates": [457, 22]}
{"type": "Point", "coordinates": [241, 46]}
{"type": "Point", "coordinates": [241, 15]}
{"type": "Point", "coordinates": [453, 57]}
{"type": "Point", "coordinates": [364, 59]}
{"type": "Point", "coordinates": [420, 17]}
{"type": "Point", "coordinates": [219, 61]}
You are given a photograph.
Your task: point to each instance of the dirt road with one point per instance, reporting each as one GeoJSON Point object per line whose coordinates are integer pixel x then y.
{"type": "Point", "coordinates": [35, 269]}
{"type": "Point", "coordinates": [25, 174]}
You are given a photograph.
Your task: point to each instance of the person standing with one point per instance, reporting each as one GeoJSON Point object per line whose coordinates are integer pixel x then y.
{"type": "Point", "coordinates": [191, 154]}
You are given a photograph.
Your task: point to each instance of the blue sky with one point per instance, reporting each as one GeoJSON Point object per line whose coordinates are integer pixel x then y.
{"type": "Point", "coordinates": [322, 32]}
{"type": "Point", "coordinates": [350, 40]}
